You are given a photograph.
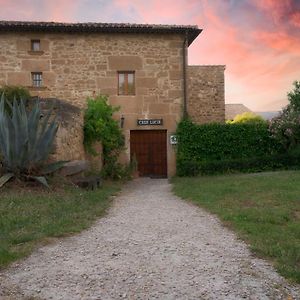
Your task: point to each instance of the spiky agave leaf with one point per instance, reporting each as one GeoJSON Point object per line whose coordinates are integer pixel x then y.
{"type": "Point", "coordinates": [5, 178]}
{"type": "Point", "coordinates": [20, 126]}
{"type": "Point", "coordinates": [40, 179]}
{"type": "Point", "coordinates": [50, 168]}
{"type": "Point", "coordinates": [25, 140]}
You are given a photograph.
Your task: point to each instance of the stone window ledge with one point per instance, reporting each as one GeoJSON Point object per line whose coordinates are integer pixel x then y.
{"type": "Point", "coordinates": [36, 52]}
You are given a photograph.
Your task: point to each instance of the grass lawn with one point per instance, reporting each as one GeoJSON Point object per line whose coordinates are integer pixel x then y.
{"type": "Point", "coordinates": [263, 208]}
{"type": "Point", "coordinates": [31, 216]}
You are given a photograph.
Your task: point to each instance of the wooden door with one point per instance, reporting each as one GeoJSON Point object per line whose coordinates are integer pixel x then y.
{"type": "Point", "coordinates": [150, 149]}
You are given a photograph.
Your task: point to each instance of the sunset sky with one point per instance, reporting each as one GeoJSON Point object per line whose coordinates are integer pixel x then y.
{"type": "Point", "coordinates": [257, 40]}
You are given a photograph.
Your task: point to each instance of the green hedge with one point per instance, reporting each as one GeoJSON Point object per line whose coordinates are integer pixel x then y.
{"type": "Point", "coordinates": [221, 148]}
{"type": "Point", "coordinates": [254, 164]}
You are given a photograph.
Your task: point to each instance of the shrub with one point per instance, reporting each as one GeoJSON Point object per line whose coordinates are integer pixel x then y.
{"type": "Point", "coordinates": [223, 141]}
{"type": "Point", "coordinates": [247, 118]}
{"type": "Point", "coordinates": [100, 126]}
{"type": "Point", "coordinates": [26, 141]}
{"type": "Point", "coordinates": [285, 128]}
{"type": "Point", "coordinates": [252, 164]}
{"type": "Point", "coordinates": [220, 148]}
{"type": "Point", "coordinates": [12, 93]}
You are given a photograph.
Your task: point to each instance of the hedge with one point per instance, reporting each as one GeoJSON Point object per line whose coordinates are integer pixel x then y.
{"type": "Point", "coordinates": [248, 165]}
{"type": "Point", "coordinates": [222, 148]}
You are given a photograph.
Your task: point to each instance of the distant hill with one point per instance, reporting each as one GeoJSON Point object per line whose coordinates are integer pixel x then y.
{"type": "Point", "coordinates": [267, 115]}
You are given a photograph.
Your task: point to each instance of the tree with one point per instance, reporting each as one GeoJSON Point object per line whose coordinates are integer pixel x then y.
{"type": "Point", "coordinates": [285, 128]}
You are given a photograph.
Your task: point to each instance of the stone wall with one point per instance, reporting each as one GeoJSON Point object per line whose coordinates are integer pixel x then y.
{"type": "Point", "coordinates": [68, 144]}
{"type": "Point", "coordinates": [206, 101]}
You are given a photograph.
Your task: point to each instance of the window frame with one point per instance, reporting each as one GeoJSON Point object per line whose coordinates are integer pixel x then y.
{"type": "Point", "coordinates": [37, 83]}
{"type": "Point", "coordinates": [126, 91]}
{"type": "Point", "coordinates": [32, 42]}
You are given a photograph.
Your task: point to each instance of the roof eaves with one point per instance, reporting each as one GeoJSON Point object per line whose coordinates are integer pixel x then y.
{"type": "Point", "coordinates": [191, 31]}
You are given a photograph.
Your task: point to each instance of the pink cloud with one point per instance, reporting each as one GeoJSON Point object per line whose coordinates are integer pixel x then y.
{"type": "Point", "coordinates": [61, 10]}
{"type": "Point", "coordinates": [261, 54]}
{"type": "Point", "coordinates": [295, 19]}
{"type": "Point", "coordinates": [277, 9]}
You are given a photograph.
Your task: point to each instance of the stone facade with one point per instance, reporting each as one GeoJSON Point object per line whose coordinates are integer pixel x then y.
{"type": "Point", "coordinates": [68, 144]}
{"type": "Point", "coordinates": [80, 65]}
{"type": "Point", "coordinates": [206, 94]}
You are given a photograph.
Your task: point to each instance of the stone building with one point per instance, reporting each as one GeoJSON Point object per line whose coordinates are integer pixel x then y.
{"type": "Point", "coordinates": [142, 68]}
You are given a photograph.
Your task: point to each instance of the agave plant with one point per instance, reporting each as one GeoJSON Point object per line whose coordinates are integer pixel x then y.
{"type": "Point", "coordinates": [26, 141]}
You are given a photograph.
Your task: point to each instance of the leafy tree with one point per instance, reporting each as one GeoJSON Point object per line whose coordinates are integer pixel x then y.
{"type": "Point", "coordinates": [100, 126]}
{"type": "Point", "coordinates": [12, 93]}
{"type": "Point", "coordinates": [247, 118]}
{"type": "Point", "coordinates": [285, 128]}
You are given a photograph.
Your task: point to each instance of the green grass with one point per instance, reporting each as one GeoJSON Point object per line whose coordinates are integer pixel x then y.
{"type": "Point", "coordinates": [28, 217]}
{"type": "Point", "coordinates": [263, 208]}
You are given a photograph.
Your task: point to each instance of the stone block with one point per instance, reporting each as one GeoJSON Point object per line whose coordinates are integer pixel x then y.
{"type": "Point", "coordinates": [128, 104]}
{"type": "Point", "coordinates": [146, 82]}
{"type": "Point", "coordinates": [19, 78]}
{"type": "Point", "coordinates": [150, 99]}
{"type": "Point", "coordinates": [107, 82]}
{"type": "Point", "coordinates": [45, 45]}
{"type": "Point", "coordinates": [141, 91]}
{"type": "Point", "coordinates": [159, 108]}
{"type": "Point", "coordinates": [23, 45]}
{"type": "Point", "coordinates": [175, 94]}
{"type": "Point", "coordinates": [35, 65]}
{"type": "Point", "coordinates": [175, 75]}
{"type": "Point", "coordinates": [49, 78]}
{"type": "Point", "coordinates": [74, 167]}
{"type": "Point", "coordinates": [109, 91]}
{"type": "Point", "coordinates": [176, 44]}
{"type": "Point", "coordinates": [125, 63]}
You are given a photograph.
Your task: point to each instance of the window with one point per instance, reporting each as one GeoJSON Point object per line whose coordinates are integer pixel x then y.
{"type": "Point", "coordinates": [35, 45]}
{"type": "Point", "coordinates": [37, 79]}
{"type": "Point", "coordinates": [126, 83]}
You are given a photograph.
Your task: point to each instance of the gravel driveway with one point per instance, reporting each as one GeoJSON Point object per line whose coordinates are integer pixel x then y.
{"type": "Point", "coordinates": [151, 245]}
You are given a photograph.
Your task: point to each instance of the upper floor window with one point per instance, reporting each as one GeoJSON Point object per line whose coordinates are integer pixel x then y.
{"type": "Point", "coordinates": [126, 83]}
{"type": "Point", "coordinates": [35, 45]}
{"type": "Point", "coordinates": [37, 79]}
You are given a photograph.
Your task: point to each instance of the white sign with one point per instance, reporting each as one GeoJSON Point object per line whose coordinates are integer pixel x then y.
{"type": "Point", "coordinates": [142, 122]}
{"type": "Point", "coordinates": [173, 139]}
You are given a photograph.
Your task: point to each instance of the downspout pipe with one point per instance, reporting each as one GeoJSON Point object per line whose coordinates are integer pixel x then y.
{"type": "Point", "coordinates": [185, 94]}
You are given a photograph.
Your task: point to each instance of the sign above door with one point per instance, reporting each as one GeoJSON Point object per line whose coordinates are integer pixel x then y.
{"type": "Point", "coordinates": [142, 122]}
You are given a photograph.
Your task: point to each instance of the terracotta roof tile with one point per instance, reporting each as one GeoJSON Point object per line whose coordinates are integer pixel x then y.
{"type": "Point", "coordinates": [192, 31]}
{"type": "Point", "coordinates": [231, 110]}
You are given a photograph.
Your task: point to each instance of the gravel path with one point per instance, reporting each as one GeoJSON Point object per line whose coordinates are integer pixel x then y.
{"type": "Point", "coordinates": [151, 245]}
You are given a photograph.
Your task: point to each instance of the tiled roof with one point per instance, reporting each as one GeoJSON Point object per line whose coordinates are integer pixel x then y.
{"type": "Point", "coordinates": [192, 31]}
{"type": "Point", "coordinates": [231, 110]}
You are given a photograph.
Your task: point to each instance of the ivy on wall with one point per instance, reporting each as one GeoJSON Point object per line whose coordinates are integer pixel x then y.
{"type": "Point", "coordinates": [99, 126]}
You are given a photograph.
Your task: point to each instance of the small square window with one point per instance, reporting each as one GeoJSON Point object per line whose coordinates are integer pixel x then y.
{"type": "Point", "coordinates": [37, 79]}
{"type": "Point", "coordinates": [126, 83]}
{"type": "Point", "coordinates": [35, 45]}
